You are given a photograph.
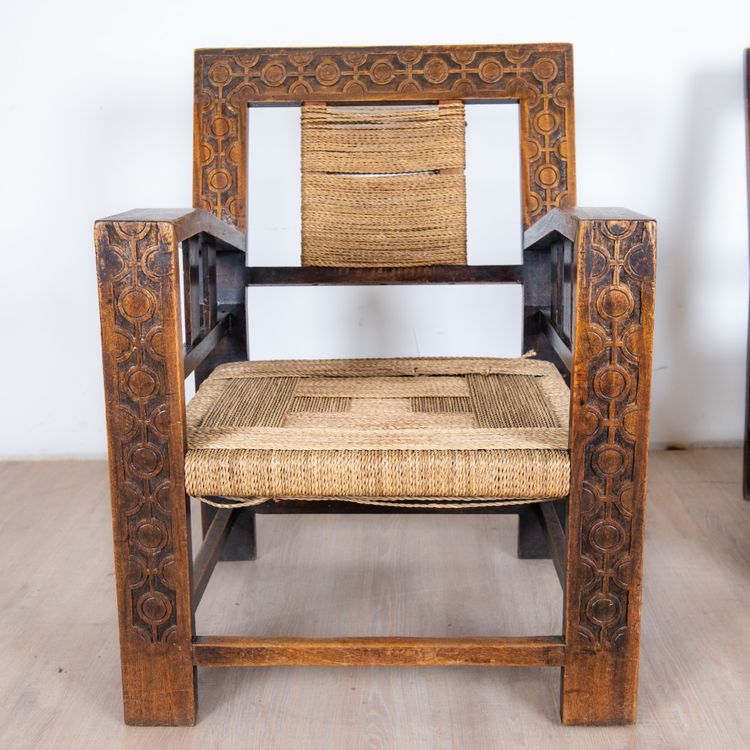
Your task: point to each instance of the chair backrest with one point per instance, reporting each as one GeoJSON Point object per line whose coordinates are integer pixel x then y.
{"type": "Point", "coordinates": [384, 185]}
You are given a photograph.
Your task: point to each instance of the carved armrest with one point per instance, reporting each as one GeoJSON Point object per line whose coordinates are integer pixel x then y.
{"type": "Point", "coordinates": [185, 223]}
{"type": "Point", "coordinates": [139, 290]}
{"type": "Point", "coordinates": [611, 258]}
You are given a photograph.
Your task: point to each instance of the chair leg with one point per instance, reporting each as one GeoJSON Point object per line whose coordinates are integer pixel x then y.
{"type": "Point", "coordinates": [158, 676]}
{"type": "Point", "coordinates": [241, 544]}
{"type": "Point", "coordinates": [532, 539]}
{"type": "Point", "coordinates": [610, 403]}
{"type": "Point", "coordinates": [143, 381]}
{"type": "Point", "coordinates": [603, 611]}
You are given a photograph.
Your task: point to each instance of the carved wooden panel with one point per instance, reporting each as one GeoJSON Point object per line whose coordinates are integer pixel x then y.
{"type": "Point", "coordinates": [609, 430]}
{"type": "Point", "coordinates": [539, 77]}
{"type": "Point", "coordinates": [138, 268]}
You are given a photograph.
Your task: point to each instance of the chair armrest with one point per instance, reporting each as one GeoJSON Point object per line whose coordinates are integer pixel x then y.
{"type": "Point", "coordinates": [563, 223]}
{"type": "Point", "coordinates": [186, 223]}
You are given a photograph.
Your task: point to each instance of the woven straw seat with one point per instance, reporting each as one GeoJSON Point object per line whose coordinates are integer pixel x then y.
{"type": "Point", "coordinates": [387, 431]}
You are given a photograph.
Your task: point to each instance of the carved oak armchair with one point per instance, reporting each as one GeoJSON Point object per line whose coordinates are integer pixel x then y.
{"type": "Point", "coordinates": [383, 202]}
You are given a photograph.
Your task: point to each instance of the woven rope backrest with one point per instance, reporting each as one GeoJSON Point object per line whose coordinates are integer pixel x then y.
{"type": "Point", "coordinates": [383, 185]}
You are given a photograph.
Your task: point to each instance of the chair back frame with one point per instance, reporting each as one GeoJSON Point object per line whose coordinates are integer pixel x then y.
{"type": "Point", "coordinates": [539, 77]}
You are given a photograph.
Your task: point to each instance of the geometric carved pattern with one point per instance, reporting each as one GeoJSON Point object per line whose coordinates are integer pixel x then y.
{"type": "Point", "coordinates": [609, 427]}
{"type": "Point", "coordinates": [538, 77]}
{"type": "Point", "coordinates": [137, 278]}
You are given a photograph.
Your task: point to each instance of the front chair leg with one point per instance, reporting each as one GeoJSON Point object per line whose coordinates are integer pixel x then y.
{"type": "Point", "coordinates": [610, 402]}
{"type": "Point", "coordinates": [143, 378]}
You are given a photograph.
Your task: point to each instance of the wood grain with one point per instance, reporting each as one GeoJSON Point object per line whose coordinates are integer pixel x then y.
{"type": "Point", "coordinates": [234, 651]}
{"type": "Point", "coordinates": [142, 352]}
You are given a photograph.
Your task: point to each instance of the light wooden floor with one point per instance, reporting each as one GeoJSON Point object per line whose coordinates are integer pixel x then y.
{"type": "Point", "coordinates": [354, 575]}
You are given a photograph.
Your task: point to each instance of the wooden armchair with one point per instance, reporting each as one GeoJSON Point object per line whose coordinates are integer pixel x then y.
{"type": "Point", "coordinates": [383, 203]}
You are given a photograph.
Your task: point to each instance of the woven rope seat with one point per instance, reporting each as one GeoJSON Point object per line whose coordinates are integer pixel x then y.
{"type": "Point", "coordinates": [409, 432]}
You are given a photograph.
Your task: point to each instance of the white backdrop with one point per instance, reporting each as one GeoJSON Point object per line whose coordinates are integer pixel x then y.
{"type": "Point", "coordinates": [97, 118]}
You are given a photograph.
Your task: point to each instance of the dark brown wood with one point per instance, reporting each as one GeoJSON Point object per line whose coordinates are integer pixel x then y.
{"type": "Point", "coordinates": [202, 348]}
{"type": "Point", "coordinates": [556, 540]}
{"type": "Point", "coordinates": [185, 223]}
{"type": "Point", "coordinates": [610, 407]}
{"type": "Point", "coordinates": [235, 651]}
{"type": "Point", "coordinates": [283, 507]}
{"type": "Point", "coordinates": [137, 263]}
{"type": "Point", "coordinates": [538, 76]}
{"type": "Point", "coordinates": [532, 541]}
{"type": "Point", "coordinates": [565, 223]}
{"type": "Point", "coordinates": [317, 275]}
{"type": "Point", "coordinates": [560, 347]}
{"type": "Point", "coordinates": [208, 555]}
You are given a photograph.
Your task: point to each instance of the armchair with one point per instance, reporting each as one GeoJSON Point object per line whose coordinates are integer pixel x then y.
{"type": "Point", "coordinates": [383, 203]}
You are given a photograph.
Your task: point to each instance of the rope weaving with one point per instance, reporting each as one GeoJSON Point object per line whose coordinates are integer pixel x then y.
{"type": "Point", "coordinates": [394, 431]}
{"type": "Point", "coordinates": [383, 186]}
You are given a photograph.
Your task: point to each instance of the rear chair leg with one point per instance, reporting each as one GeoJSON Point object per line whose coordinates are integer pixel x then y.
{"type": "Point", "coordinates": [532, 539]}
{"type": "Point", "coordinates": [241, 543]}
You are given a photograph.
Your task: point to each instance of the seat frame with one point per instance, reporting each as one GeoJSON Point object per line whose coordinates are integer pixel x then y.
{"type": "Point", "coordinates": [588, 286]}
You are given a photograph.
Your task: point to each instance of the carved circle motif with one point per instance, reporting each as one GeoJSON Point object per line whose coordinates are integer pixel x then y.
{"type": "Point", "coordinates": [548, 175]}
{"type": "Point", "coordinates": [381, 72]}
{"type": "Point", "coordinates": [609, 459]}
{"type": "Point", "coordinates": [637, 262]}
{"type": "Point", "coordinates": [545, 122]}
{"type": "Point", "coordinates": [603, 609]}
{"type": "Point", "coordinates": [141, 382]}
{"type": "Point", "coordinates": [436, 70]}
{"type": "Point", "coordinates": [145, 461]}
{"type": "Point", "coordinates": [150, 535]}
{"type": "Point", "coordinates": [327, 73]}
{"type": "Point", "coordinates": [219, 180]}
{"type": "Point", "coordinates": [137, 572]}
{"type": "Point", "coordinates": [159, 421]}
{"type": "Point", "coordinates": [623, 572]}
{"type": "Point", "coordinates": [273, 74]}
{"type": "Point", "coordinates": [122, 344]}
{"type": "Point", "coordinates": [355, 59]}
{"type": "Point", "coordinates": [154, 608]}
{"type": "Point", "coordinates": [155, 342]}
{"type": "Point", "coordinates": [545, 69]}
{"type": "Point", "coordinates": [163, 497]}
{"type": "Point", "coordinates": [220, 127]}
{"type": "Point", "coordinates": [589, 499]}
{"type": "Point", "coordinates": [629, 422]}
{"type": "Point", "coordinates": [615, 302]}
{"type": "Point", "coordinates": [618, 229]}
{"type": "Point", "coordinates": [168, 572]}
{"type": "Point", "coordinates": [136, 304]}
{"type": "Point", "coordinates": [589, 421]}
{"type": "Point", "coordinates": [606, 536]}
{"type": "Point", "coordinates": [219, 74]}
{"type": "Point", "coordinates": [490, 70]}
{"type": "Point", "coordinates": [612, 383]}
{"type": "Point", "coordinates": [131, 498]}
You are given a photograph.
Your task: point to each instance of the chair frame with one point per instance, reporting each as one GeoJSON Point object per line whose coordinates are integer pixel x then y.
{"type": "Point", "coordinates": [588, 280]}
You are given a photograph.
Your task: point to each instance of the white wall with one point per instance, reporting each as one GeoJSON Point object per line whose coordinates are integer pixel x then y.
{"type": "Point", "coordinates": [97, 118]}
